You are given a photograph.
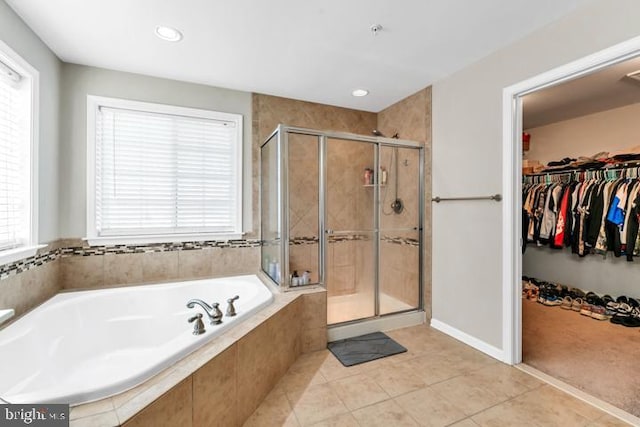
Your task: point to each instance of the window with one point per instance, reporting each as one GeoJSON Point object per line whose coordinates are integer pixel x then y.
{"type": "Point", "coordinates": [18, 196]}
{"type": "Point", "coordinates": [162, 173]}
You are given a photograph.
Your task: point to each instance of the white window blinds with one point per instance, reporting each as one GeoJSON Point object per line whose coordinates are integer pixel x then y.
{"type": "Point", "coordinates": [166, 174]}
{"type": "Point", "coordinates": [14, 159]}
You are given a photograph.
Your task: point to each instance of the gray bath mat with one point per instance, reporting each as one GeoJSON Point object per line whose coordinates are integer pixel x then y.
{"type": "Point", "coordinates": [364, 348]}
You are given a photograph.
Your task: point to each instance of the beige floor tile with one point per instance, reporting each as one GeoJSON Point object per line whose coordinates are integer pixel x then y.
{"type": "Point", "coordinates": [275, 410]}
{"type": "Point", "coordinates": [429, 408]}
{"type": "Point", "coordinates": [296, 382]}
{"type": "Point", "coordinates": [344, 420]}
{"type": "Point", "coordinates": [540, 407]}
{"type": "Point", "coordinates": [608, 421]}
{"type": "Point", "coordinates": [310, 361]}
{"type": "Point", "coordinates": [500, 378]}
{"type": "Point", "coordinates": [552, 397]}
{"type": "Point", "coordinates": [396, 379]}
{"type": "Point", "coordinates": [358, 391]}
{"type": "Point", "coordinates": [332, 369]}
{"type": "Point", "coordinates": [433, 369]}
{"type": "Point", "coordinates": [384, 414]}
{"type": "Point", "coordinates": [469, 393]}
{"type": "Point", "coordinates": [467, 422]}
{"type": "Point", "coordinates": [317, 403]}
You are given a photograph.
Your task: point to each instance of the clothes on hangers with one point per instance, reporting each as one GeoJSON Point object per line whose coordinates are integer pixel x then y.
{"type": "Point", "coordinates": [591, 213]}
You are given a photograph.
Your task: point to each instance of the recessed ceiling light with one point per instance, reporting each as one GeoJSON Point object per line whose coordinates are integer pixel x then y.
{"type": "Point", "coordinates": [168, 33]}
{"type": "Point", "coordinates": [360, 92]}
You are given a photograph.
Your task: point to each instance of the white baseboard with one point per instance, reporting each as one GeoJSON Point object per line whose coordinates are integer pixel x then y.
{"type": "Point", "coordinates": [386, 323]}
{"type": "Point", "coordinates": [474, 342]}
{"type": "Point", "coordinates": [579, 394]}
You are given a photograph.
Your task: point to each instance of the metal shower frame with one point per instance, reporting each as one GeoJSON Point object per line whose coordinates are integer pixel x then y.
{"type": "Point", "coordinates": [281, 133]}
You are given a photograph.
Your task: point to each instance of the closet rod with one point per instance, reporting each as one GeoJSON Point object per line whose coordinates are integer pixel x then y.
{"type": "Point", "coordinates": [496, 197]}
{"type": "Point", "coordinates": [626, 166]}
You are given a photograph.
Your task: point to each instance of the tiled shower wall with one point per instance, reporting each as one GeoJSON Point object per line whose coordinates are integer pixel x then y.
{"type": "Point", "coordinates": [349, 203]}
{"type": "Point", "coordinates": [349, 162]}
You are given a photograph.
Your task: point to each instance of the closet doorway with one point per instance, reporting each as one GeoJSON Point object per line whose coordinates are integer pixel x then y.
{"type": "Point", "coordinates": [575, 207]}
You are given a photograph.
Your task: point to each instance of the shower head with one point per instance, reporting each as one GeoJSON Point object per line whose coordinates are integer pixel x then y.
{"type": "Point", "coordinates": [376, 132]}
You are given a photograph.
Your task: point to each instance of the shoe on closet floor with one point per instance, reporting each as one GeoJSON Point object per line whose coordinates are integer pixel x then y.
{"type": "Point", "coordinates": [633, 319]}
{"type": "Point", "coordinates": [576, 305]}
{"type": "Point", "coordinates": [567, 302]}
{"type": "Point", "coordinates": [576, 293]}
{"type": "Point", "coordinates": [552, 300]}
{"type": "Point", "coordinates": [598, 312]}
{"type": "Point", "coordinates": [585, 309]}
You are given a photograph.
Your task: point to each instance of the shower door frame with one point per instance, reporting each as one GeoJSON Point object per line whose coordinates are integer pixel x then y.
{"type": "Point", "coordinates": [282, 133]}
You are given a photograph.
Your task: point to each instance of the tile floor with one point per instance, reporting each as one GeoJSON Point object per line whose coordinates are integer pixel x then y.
{"type": "Point", "coordinates": [438, 382]}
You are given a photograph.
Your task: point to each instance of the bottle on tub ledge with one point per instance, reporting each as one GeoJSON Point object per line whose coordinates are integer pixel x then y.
{"type": "Point", "coordinates": [295, 279]}
{"type": "Point", "coordinates": [299, 280]}
{"type": "Point", "coordinates": [306, 277]}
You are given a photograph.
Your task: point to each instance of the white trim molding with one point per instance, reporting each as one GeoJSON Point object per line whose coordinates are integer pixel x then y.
{"type": "Point", "coordinates": [94, 237]}
{"type": "Point", "coordinates": [512, 180]}
{"type": "Point", "coordinates": [32, 78]}
{"type": "Point", "coordinates": [472, 341]}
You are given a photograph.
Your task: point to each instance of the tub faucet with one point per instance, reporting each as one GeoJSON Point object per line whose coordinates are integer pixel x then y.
{"type": "Point", "coordinates": [214, 313]}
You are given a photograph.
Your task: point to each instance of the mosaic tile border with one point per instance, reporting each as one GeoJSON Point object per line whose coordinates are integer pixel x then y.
{"type": "Point", "coordinates": [40, 259]}
{"type": "Point", "coordinates": [29, 263]}
{"type": "Point", "coordinates": [401, 241]}
{"type": "Point", "coordinates": [296, 241]}
{"type": "Point", "coordinates": [157, 247]}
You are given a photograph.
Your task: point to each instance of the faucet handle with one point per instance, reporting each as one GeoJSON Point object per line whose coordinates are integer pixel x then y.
{"type": "Point", "coordinates": [216, 315]}
{"type": "Point", "coordinates": [198, 328]}
{"type": "Point", "coordinates": [231, 310]}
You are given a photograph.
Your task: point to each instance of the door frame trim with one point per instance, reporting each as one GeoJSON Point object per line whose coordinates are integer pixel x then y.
{"type": "Point", "coordinates": [512, 179]}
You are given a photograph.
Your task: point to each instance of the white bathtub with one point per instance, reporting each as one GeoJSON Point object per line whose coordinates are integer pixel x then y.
{"type": "Point", "coordinates": [83, 346]}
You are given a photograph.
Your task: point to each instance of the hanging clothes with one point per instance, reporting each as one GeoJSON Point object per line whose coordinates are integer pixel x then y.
{"type": "Point", "coordinates": [593, 215]}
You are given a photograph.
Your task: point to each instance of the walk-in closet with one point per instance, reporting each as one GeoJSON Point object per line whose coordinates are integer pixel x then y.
{"type": "Point", "coordinates": [581, 245]}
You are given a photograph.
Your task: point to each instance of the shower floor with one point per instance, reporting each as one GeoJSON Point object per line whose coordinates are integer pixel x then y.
{"type": "Point", "coordinates": [343, 308]}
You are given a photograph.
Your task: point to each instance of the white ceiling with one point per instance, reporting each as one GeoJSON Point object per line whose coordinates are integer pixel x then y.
{"type": "Point", "coordinates": [311, 50]}
{"type": "Point", "coordinates": [600, 91]}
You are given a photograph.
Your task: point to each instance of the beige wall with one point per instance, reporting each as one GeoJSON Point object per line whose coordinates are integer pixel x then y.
{"type": "Point", "coordinates": [467, 159]}
{"type": "Point", "coordinates": [585, 136]}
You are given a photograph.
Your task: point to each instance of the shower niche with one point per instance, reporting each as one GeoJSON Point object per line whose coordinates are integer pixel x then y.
{"type": "Point", "coordinates": [330, 216]}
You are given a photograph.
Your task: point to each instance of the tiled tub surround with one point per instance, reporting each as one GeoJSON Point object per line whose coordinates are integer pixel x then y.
{"type": "Point", "coordinates": [113, 339]}
{"type": "Point", "coordinates": [68, 264]}
{"type": "Point", "coordinates": [224, 381]}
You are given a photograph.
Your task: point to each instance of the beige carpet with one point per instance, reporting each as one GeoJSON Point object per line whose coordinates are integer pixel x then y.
{"type": "Point", "coordinates": [598, 357]}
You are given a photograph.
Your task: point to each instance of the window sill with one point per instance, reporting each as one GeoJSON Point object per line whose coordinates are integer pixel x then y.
{"type": "Point", "coordinates": [16, 254]}
{"type": "Point", "coordinates": [172, 238]}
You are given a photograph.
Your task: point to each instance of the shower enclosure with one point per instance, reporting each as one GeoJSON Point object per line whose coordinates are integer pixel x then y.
{"type": "Point", "coordinates": [344, 211]}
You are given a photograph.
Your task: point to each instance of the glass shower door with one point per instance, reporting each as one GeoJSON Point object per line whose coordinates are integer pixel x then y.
{"type": "Point", "coordinates": [350, 234]}
{"type": "Point", "coordinates": [399, 265]}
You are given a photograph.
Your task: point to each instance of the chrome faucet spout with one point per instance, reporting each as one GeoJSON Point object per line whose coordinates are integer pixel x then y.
{"type": "Point", "coordinates": [212, 311]}
{"type": "Point", "coordinates": [201, 303]}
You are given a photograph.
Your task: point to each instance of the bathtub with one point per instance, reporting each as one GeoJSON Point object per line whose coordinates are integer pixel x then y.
{"type": "Point", "coordinates": [84, 346]}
